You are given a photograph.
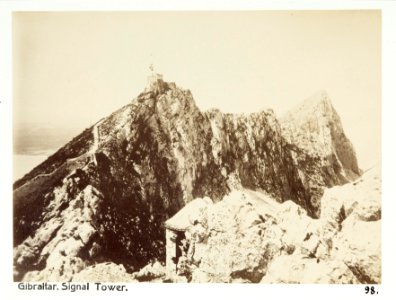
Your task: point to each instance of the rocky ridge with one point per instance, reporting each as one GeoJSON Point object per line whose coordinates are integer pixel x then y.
{"type": "Point", "coordinates": [101, 196]}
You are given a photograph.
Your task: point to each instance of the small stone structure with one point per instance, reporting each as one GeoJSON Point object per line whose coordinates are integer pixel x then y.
{"type": "Point", "coordinates": [179, 238]}
{"type": "Point", "coordinates": [155, 83]}
{"type": "Point", "coordinates": [153, 78]}
{"type": "Point", "coordinates": [175, 233]}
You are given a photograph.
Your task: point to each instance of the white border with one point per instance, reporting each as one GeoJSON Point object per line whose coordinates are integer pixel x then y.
{"type": "Point", "coordinates": [196, 291]}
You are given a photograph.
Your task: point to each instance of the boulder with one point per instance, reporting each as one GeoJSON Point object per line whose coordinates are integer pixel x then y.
{"type": "Point", "coordinates": [358, 245]}
{"type": "Point", "coordinates": [104, 272]}
{"type": "Point", "coordinates": [149, 272]}
{"type": "Point", "coordinates": [239, 243]}
{"type": "Point", "coordinates": [297, 268]}
{"type": "Point", "coordinates": [62, 269]}
{"type": "Point", "coordinates": [361, 198]}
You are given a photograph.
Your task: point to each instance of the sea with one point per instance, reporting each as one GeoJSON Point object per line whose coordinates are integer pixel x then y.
{"type": "Point", "coordinates": [23, 163]}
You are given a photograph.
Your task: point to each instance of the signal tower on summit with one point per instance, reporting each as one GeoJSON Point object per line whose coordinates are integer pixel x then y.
{"type": "Point", "coordinates": [155, 81]}
{"type": "Point", "coordinates": [154, 77]}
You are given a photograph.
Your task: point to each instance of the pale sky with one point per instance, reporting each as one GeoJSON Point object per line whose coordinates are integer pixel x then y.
{"type": "Point", "coordinates": [71, 69]}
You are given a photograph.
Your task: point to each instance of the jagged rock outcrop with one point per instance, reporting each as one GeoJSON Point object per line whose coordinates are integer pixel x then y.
{"type": "Point", "coordinates": [315, 127]}
{"type": "Point", "coordinates": [106, 195]}
{"type": "Point", "coordinates": [249, 237]}
{"type": "Point", "coordinates": [67, 237]}
{"type": "Point", "coordinates": [239, 241]}
{"type": "Point", "coordinates": [350, 226]}
{"type": "Point", "coordinates": [245, 232]}
{"type": "Point", "coordinates": [355, 209]}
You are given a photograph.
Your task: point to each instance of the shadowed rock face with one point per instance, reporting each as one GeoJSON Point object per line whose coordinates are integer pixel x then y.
{"type": "Point", "coordinates": [106, 194]}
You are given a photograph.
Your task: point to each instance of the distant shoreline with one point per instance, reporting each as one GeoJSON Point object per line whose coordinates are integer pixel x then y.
{"type": "Point", "coordinates": [23, 163]}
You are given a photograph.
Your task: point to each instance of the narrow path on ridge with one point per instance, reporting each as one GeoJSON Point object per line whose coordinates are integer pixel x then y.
{"type": "Point", "coordinates": [91, 151]}
{"type": "Point", "coordinates": [95, 133]}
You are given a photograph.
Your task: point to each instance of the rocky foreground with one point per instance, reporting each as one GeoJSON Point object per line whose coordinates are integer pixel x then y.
{"type": "Point", "coordinates": [249, 237]}
{"type": "Point", "coordinates": [278, 193]}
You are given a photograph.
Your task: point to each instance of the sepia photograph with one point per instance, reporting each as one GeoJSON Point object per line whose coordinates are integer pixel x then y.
{"type": "Point", "coordinates": [196, 147]}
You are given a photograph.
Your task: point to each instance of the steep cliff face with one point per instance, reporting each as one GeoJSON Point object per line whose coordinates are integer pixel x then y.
{"type": "Point", "coordinates": [105, 195]}
{"type": "Point", "coordinates": [315, 127]}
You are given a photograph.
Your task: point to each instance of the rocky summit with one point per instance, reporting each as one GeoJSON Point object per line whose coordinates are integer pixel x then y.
{"type": "Point", "coordinates": [274, 188]}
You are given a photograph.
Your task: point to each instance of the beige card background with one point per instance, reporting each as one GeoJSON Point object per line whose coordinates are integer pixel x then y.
{"type": "Point", "coordinates": [77, 87]}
